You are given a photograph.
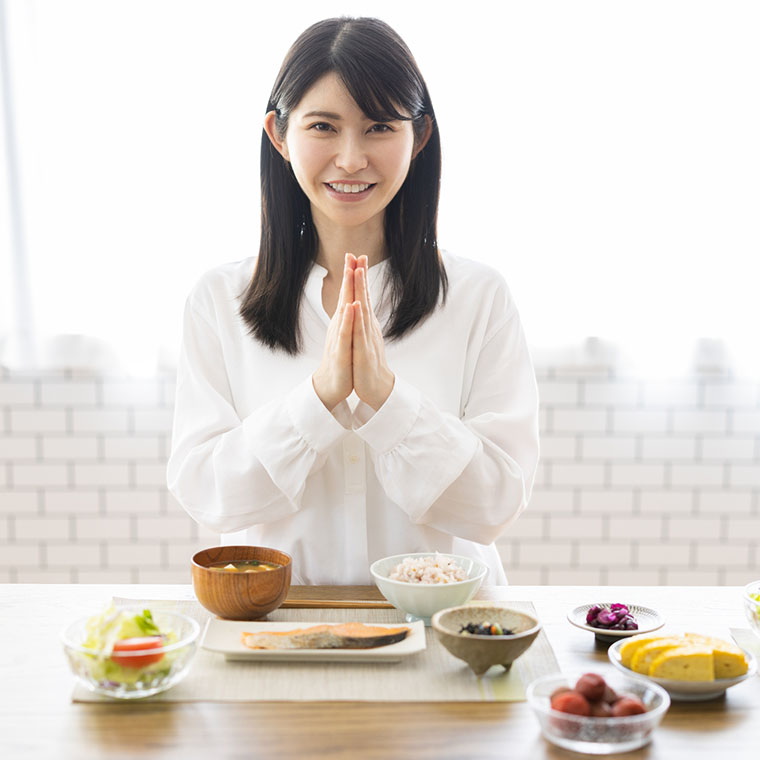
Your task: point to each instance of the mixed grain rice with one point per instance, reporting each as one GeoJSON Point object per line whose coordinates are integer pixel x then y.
{"type": "Point", "coordinates": [438, 569]}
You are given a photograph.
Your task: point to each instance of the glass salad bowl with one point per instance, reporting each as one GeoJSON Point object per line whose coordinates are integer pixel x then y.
{"type": "Point", "coordinates": [752, 605]}
{"type": "Point", "coordinates": [133, 666]}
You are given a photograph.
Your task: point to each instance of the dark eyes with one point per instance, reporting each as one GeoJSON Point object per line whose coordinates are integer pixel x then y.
{"type": "Point", "coordinates": [322, 126]}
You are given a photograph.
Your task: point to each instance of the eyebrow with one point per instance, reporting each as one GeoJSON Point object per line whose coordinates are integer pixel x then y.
{"type": "Point", "coordinates": [323, 114]}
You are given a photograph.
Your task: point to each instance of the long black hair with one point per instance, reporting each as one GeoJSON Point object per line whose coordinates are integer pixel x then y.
{"type": "Point", "coordinates": [380, 73]}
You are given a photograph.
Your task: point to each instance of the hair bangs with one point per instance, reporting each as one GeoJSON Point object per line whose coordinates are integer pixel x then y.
{"type": "Point", "coordinates": [384, 90]}
{"type": "Point", "coordinates": [377, 96]}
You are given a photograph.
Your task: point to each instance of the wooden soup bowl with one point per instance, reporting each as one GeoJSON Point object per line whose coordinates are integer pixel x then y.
{"type": "Point", "coordinates": [240, 596]}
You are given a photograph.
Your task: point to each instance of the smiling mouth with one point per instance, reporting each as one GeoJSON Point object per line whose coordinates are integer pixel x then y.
{"type": "Point", "coordinates": [346, 188]}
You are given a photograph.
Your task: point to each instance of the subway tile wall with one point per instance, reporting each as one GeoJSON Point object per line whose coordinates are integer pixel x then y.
{"type": "Point", "coordinates": [639, 482]}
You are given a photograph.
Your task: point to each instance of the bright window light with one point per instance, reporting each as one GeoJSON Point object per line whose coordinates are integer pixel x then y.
{"type": "Point", "coordinates": [602, 156]}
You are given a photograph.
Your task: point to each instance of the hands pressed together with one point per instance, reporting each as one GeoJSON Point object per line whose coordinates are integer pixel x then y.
{"type": "Point", "coordinates": [354, 355]}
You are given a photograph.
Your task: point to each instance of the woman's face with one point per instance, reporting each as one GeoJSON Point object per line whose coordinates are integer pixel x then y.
{"type": "Point", "coordinates": [349, 166]}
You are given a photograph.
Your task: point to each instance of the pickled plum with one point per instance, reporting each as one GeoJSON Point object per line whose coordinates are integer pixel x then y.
{"type": "Point", "coordinates": [591, 686]}
{"type": "Point", "coordinates": [571, 702]}
{"type": "Point", "coordinates": [559, 690]}
{"type": "Point", "coordinates": [600, 709]}
{"type": "Point", "coordinates": [592, 697]}
{"type": "Point", "coordinates": [628, 706]}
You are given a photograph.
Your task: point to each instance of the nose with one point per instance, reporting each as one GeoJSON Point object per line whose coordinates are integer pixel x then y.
{"type": "Point", "coordinates": [352, 154]}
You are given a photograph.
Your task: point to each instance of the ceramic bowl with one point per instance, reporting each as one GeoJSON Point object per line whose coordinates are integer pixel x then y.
{"type": "Point", "coordinates": [482, 652]}
{"type": "Point", "coordinates": [137, 673]}
{"type": "Point", "coordinates": [751, 599]}
{"type": "Point", "coordinates": [598, 736]}
{"type": "Point", "coordinates": [420, 601]}
{"type": "Point", "coordinates": [241, 596]}
{"type": "Point", "coordinates": [648, 620]}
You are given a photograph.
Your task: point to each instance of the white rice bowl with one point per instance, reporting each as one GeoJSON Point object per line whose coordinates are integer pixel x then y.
{"type": "Point", "coordinates": [421, 600]}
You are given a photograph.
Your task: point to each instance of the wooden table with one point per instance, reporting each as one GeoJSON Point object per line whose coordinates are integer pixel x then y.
{"type": "Point", "coordinates": [38, 719]}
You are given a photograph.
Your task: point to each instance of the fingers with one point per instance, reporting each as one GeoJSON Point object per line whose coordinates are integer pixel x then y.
{"type": "Point", "coordinates": [372, 379]}
{"type": "Point", "coordinates": [360, 325]}
{"type": "Point", "coordinates": [346, 294]}
{"type": "Point", "coordinates": [364, 350]}
{"type": "Point", "coordinates": [346, 321]}
{"type": "Point", "coordinates": [361, 290]}
{"type": "Point", "coordinates": [361, 294]}
{"type": "Point", "coordinates": [362, 269]}
{"type": "Point", "coordinates": [345, 334]}
{"type": "Point", "coordinates": [333, 380]}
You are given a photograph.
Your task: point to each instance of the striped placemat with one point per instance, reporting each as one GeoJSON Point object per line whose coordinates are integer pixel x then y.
{"type": "Point", "coordinates": [433, 675]}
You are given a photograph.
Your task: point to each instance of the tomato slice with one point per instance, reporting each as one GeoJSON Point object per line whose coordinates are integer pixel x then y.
{"type": "Point", "coordinates": [123, 651]}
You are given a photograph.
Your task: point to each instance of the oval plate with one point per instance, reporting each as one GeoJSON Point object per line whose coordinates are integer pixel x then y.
{"type": "Point", "coordinates": [648, 620]}
{"type": "Point", "coordinates": [686, 691]}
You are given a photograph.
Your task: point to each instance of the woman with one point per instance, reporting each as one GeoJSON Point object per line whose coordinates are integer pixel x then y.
{"type": "Point", "coordinates": [352, 392]}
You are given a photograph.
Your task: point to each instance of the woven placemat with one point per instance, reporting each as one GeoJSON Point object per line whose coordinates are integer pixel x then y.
{"type": "Point", "coordinates": [433, 675]}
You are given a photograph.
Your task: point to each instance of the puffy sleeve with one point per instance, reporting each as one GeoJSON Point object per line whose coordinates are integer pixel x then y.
{"type": "Point", "coordinates": [472, 475]}
{"type": "Point", "coordinates": [230, 473]}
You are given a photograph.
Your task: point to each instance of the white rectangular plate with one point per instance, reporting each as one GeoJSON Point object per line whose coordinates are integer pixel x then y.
{"type": "Point", "coordinates": [223, 636]}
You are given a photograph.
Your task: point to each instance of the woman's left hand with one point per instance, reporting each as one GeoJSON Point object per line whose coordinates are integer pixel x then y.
{"type": "Point", "coordinates": [373, 379]}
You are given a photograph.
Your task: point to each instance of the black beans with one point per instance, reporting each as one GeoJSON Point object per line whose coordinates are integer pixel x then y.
{"type": "Point", "coordinates": [485, 629]}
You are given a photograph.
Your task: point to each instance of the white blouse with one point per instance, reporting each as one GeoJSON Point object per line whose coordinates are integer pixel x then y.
{"type": "Point", "coordinates": [446, 464]}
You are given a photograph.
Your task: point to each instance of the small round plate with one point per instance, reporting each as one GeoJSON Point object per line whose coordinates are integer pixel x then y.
{"type": "Point", "coordinates": [686, 691]}
{"type": "Point", "coordinates": [648, 620]}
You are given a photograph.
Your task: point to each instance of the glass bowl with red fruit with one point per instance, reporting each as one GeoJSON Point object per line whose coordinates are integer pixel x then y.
{"type": "Point", "coordinates": [597, 714]}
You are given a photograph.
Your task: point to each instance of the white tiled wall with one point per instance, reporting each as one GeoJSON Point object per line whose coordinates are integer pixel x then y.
{"type": "Point", "coordinates": [639, 483]}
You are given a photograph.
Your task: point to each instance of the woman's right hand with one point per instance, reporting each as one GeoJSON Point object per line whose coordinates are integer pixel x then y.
{"type": "Point", "coordinates": [334, 380]}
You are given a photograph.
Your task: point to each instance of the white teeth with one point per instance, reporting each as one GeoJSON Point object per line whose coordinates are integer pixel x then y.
{"type": "Point", "coordinates": [341, 188]}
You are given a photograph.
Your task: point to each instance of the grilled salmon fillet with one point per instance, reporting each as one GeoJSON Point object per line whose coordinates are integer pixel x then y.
{"type": "Point", "coordinates": [339, 636]}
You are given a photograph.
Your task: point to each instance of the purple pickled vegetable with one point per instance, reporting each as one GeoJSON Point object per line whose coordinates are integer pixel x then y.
{"type": "Point", "coordinates": [631, 624]}
{"type": "Point", "coordinates": [617, 617]}
{"type": "Point", "coordinates": [606, 619]}
{"type": "Point", "coordinates": [592, 613]}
